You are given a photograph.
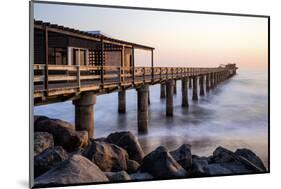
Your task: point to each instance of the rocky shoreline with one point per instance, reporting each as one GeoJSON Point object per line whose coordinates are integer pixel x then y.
{"type": "Point", "coordinates": [65, 156]}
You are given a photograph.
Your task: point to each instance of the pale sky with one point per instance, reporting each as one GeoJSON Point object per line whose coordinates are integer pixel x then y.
{"type": "Point", "coordinates": [180, 39]}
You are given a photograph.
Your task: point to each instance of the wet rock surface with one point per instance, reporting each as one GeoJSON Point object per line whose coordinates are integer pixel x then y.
{"type": "Point", "coordinates": [48, 159]}
{"type": "Point", "coordinates": [42, 141]}
{"type": "Point", "coordinates": [107, 156]}
{"type": "Point", "coordinates": [76, 169]}
{"type": "Point", "coordinates": [63, 132]}
{"type": "Point", "coordinates": [160, 164]}
{"type": "Point", "coordinates": [129, 142]}
{"type": "Point", "coordinates": [118, 176]}
{"type": "Point", "coordinates": [66, 156]}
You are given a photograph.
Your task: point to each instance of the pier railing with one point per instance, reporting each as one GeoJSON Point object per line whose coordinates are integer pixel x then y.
{"type": "Point", "coordinates": [56, 79]}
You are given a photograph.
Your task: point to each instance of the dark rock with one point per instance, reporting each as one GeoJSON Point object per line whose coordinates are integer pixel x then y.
{"type": "Point", "coordinates": [251, 157]}
{"type": "Point", "coordinates": [108, 157]}
{"type": "Point", "coordinates": [79, 151]}
{"type": "Point", "coordinates": [243, 160]}
{"type": "Point", "coordinates": [199, 167]}
{"type": "Point", "coordinates": [159, 163]}
{"type": "Point", "coordinates": [63, 133]}
{"type": "Point", "coordinates": [42, 141]}
{"type": "Point", "coordinates": [48, 159]}
{"type": "Point", "coordinates": [217, 169]}
{"type": "Point", "coordinates": [118, 176]}
{"type": "Point", "coordinates": [222, 155]}
{"type": "Point", "coordinates": [236, 167]}
{"type": "Point", "coordinates": [84, 138]}
{"type": "Point", "coordinates": [129, 142]}
{"type": "Point", "coordinates": [76, 169]}
{"type": "Point", "coordinates": [132, 166]}
{"type": "Point", "coordinates": [102, 139]}
{"type": "Point", "coordinates": [141, 176]}
{"type": "Point", "coordinates": [183, 156]}
{"type": "Point", "coordinates": [38, 118]}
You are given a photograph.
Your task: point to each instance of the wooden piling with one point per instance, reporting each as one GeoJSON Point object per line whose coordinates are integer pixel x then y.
{"type": "Point", "coordinates": [122, 101]}
{"type": "Point", "coordinates": [148, 96]}
{"type": "Point", "coordinates": [194, 91]}
{"type": "Point", "coordinates": [184, 92]}
{"type": "Point", "coordinates": [207, 83]}
{"type": "Point", "coordinates": [201, 81]}
{"type": "Point", "coordinates": [175, 87]}
{"type": "Point", "coordinates": [169, 98]}
{"type": "Point", "coordinates": [162, 90]}
{"type": "Point", "coordinates": [190, 82]}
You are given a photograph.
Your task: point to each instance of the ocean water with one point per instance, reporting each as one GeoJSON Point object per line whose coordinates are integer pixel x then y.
{"type": "Point", "coordinates": [233, 115]}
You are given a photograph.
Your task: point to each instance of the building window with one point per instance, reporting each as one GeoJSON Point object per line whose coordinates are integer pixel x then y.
{"type": "Point", "coordinates": [79, 56]}
{"type": "Point", "coordinates": [57, 56]}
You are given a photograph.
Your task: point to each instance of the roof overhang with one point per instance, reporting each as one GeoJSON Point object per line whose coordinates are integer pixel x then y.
{"type": "Point", "coordinates": [87, 35]}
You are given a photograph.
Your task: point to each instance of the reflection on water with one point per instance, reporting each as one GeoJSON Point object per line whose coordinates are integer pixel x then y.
{"type": "Point", "coordinates": [233, 115]}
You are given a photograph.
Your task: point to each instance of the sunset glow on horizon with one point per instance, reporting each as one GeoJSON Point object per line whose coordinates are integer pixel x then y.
{"type": "Point", "coordinates": [180, 39]}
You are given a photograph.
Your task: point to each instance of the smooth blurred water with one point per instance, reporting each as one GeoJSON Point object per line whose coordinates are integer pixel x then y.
{"type": "Point", "coordinates": [233, 115]}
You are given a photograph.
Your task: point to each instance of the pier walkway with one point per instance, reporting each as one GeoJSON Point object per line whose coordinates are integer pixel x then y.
{"type": "Point", "coordinates": [75, 65]}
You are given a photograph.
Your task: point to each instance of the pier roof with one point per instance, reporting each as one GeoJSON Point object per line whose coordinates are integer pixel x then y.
{"type": "Point", "coordinates": [96, 36]}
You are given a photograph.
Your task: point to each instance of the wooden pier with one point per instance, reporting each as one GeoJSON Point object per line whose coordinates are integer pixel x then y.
{"type": "Point", "coordinates": [62, 72]}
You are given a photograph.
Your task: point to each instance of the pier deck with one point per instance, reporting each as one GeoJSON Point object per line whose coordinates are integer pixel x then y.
{"type": "Point", "coordinates": [63, 81]}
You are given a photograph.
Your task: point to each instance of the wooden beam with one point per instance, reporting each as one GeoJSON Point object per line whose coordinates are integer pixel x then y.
{"type": "Point", "coordinates": [92, 38]}
{"type": "Point", "coordinates": [46, 60]}
{"type": "Point", "coordinates": [122, 62]}
{"type": "Point", "coordinates": [133, 64]}
{"type": "Point", "coordinates": [152, 65]}
{"type": "Point", "coordinates": [102, 62]}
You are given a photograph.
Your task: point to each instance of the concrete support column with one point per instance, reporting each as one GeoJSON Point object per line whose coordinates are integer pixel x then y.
{"type": "Point", "coordinates": [148, 96]}
{"type": "Point", "coordinates": [211, 80]}
{"type": "Point", "coordinates": [184, 92]}
{"type": "Point", "coordinates": [201, 81]}
{"type": "Point", "coordinates": [143, 109]}
{"type": "Point", "coordinates": [190, 82]}
{"type": "Point", "coordinates": [175, 87]}
{"type": "Point", "coordinates": [194, 91]}
{"type": "Point", "coordinates": [122, 101]}
{"type": "Point", "coordinates": [162, 90]}
{"type": "Point", "coordinates": [214, 80]}
{"type": "Point", "coordinates": [169, 98]}
{"type": "Point", "coordinates": [207, 82]}
{"type": "Point", "coordinates": [84, 113]}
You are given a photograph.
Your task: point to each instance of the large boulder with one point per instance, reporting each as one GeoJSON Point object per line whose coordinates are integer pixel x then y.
{"type": "Point", "coordinates": [48, 159]}
{"type": "Point", "coordinates": [77, 169]}
{"type": "Point", "coordinates": [118, 176]}
{"type": "Point", "coordinates": [83, 137]}
{"type": "Point", "coordinates": [63, 132]}
{"type": "Point", "coordinates": [159, 163]}
{"type": "Point", "coordinates": [236, 167]}
{"type": "Point", "coordinates": [129, 142]}
{"type": "Point", "coordinates": [132, 166]}
{"type": "Point", "coordinates": [183, 156]}
{"type": "Point", "coordinates": [199, 167]}
{"type": "Point", "coordinates": [217, 169]}
{"type": "Point", "coordinates": [223, 155]}
{"type": "Point", "coordinates": [38, 118]}
{"type": "Point", "coordinates": [42, 141]}
{"type": "Point", "coordinates": [141, 176]}
{"type": "Point", "coordinates": [108, 157]}
{"type": "Point", "coordinates": [251, 157]}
